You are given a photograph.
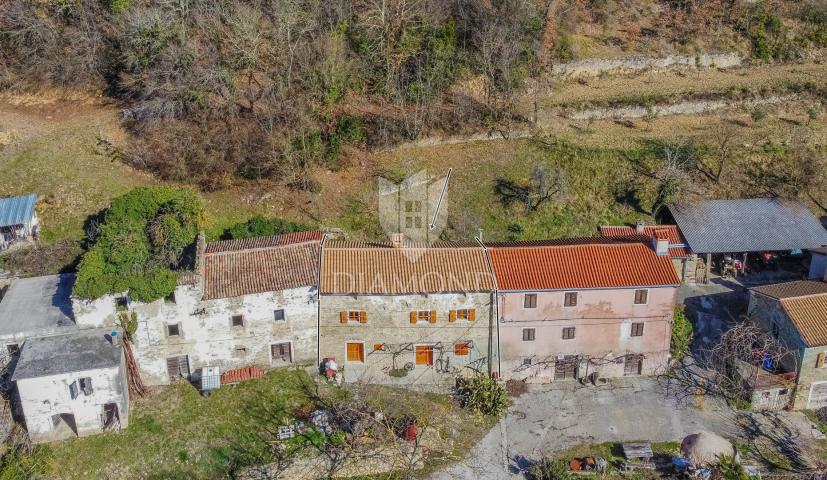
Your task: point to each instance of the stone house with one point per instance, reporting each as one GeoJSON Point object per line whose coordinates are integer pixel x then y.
{"type": "Point", "coordinates": [569, 309]}
{"type": "Point", "coordinates": [73, 384]}
{"type": "Point", "coordinates": [249, 302]}
{"type": "Point", "coordinates": [795, 313]}
{"type": "Point", "coordinates": [409, 314]}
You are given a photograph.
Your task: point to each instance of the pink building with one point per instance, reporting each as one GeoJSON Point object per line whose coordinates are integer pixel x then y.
{"type": "Point", "coordinates": [575, 308]}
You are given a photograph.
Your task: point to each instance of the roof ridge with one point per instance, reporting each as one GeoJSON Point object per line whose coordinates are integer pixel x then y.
{"type": "Point", "coordinates": [258, 249]}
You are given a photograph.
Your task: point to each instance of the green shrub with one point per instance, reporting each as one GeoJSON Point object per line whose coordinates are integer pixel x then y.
{"type": "Point", "coordinates": [483, 394]}
{"type": "Point", "coordinates": [140, 244]}
{"type": "Point", "coordinates": [549, 469]}
{"type": "Point", "coordinates": [261, 226]}
{"type": "Point", "coordinates": [564, 50]}
{"type": "Point", "coordinates": [118, 6]}
{"type": "Point", "coordinates": [682, 331]}
{"type": "Point", "coordinates": [18, 464]}
{"type": "Point", "coordinates": [730, 469]}
{"type": "Point", "coordinates": [758, 114]}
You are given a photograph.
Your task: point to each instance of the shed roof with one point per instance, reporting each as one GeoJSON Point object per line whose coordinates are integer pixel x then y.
{"type": "Point", "coordinates": [600, 264]}
{"type": "Point", "coordinates": [257, 265]}
{"type": "Point", "coordinates": [77, 351]}
{"type": "Point", "coordinates": [380, 269]}
{"type": "Point", "coordinates": [17, 210]}
{"type": "Point", "coordinates": [805, 303]}
{"type": "Point", "coordinates": [748, 225]}
{"type": "Point", "coordinates": [798, 288]}
{"type": "Point", "coordinates": [37, 305]}
{"type": "Point", "coordinates": [677, 244]}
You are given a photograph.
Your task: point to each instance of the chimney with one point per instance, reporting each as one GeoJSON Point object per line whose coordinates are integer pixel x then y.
{"type": "Point", "coordinates": [660, 242]}
{"type": "Point", "coordinates": [397, 240]}
{"type": "Point", "coordinates": [640, 227]}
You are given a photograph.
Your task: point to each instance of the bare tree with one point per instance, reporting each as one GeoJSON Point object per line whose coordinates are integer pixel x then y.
{"type": "Point", "coordinates": [724, 136]}
{"type": "Point", "coordinates": [543, 186]}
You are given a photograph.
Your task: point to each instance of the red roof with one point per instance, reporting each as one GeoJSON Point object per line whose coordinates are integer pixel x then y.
{"type": "Point", "coordinates": [677, 244]}
{"type": "Point", "coordinates": [580, 266]}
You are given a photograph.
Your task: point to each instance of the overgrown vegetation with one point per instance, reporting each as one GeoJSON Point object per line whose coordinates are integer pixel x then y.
{"type": "Point", "coordinates": [550, 469]}
{"type": "Point", "coordinates": [261, 226]}
{"type": "Point", "coordinates": [138, 244]}
{"type": "Point", "coordinates": [483, 394]}
{"type": "Point", "coordinates": [682, 331]}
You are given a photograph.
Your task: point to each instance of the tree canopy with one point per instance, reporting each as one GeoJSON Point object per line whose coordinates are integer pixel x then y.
{"type": "Point", "coordinates": [140, 243]}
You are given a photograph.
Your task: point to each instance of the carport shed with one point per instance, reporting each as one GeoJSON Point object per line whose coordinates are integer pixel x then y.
{"type": "Point", "coordinates": [747, 225]}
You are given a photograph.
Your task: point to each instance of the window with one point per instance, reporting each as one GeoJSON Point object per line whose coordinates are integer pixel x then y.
{"type": "Point", "coordinates": [12, 348]}
{"type": "Point", "coordinates": [637, 329]}
{"type": "Point", "coordinates": [377, 347]}
{"type": "Point", "coordinates": [121, 304]}
{"type": "Point", "coordinates": [423, 316]}
{"type": "Point", "coordinates": [355, 351]}
{"type": "Point", "coordinates": [527, 362]}
{"type": "Point", "coordinates": [464, 314]}
{"type": "Point", "coordinates": [178, 366]}
{"type": "Point", "coordinates": [571, 299]}
{"type": "Point", "coordinates": [278, 315]}
{"type": "Point", "coordinates": [641, 297]}
{"type": "Point", "coordinates": [461, 349]}
{"type": "Point", "coordinates": [424, 355]}
{"type": "Point", "coordinates": [174, 330]}
{"type": "Point", "coordinates": [237, 320]}
{"type": "Point", "coordinates": [568, 333]}
{"type": "Point", "coordinates": [353, 316]}
{"type": "Point", "coordinates": [530, 300]}
{"type": "Point", "coordinates": [85, 384]}
{"type": "Point", "coordinates": [281, 352]}
{"type": "Point", "coordinates": [240, 352]}
{"type": "Point", "coordinates": [528, 334]}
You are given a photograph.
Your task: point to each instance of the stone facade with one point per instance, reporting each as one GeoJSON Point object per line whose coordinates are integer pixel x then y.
{"type": "Point", "coordinates": [390, 340]}
{"type": "Point", "coordinates": [811, 379]}
{"type": "Point", "coordinates": [204, 330]}
{"type": "Point", "coordinates": [533, 340]}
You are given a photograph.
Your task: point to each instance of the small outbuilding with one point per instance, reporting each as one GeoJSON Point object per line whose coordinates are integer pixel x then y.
{"type": "Point", "coordinates": [18, 220]}
{"type": "Point", "coordinates": [71, 385]}
{"type": "Point", "coordinates": [727, 231]}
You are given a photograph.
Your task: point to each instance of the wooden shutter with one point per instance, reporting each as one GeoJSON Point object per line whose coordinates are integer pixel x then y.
{"type": "Point", "coordinates": [472, 314]}
{"type": "Point", "coordinates": [363, 317]}
{"type": "Point", "coordinates": [432, 316]}
{"type": "Point", "coordinates": [820, 360]}
{"type": "Point", "coordinates": [342, 317]}
{"type": "Point", "coordinates": [413, 317]}
{"type": "Point", "coordinates": [452, 316]}
{"type": "Point", "coordinates": [377, 347]}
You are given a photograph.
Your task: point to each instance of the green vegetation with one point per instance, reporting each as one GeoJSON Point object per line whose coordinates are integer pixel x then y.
{"type": "Point", "coordinates": [20, 464]}
{"type": "Point", "coordinates": [139, 243]}
{"type": "Point", "coordinates": [682, 330]}
{"type": "Point", "coordinates": [261, 226]}
{"type": "Point", "coordinates": [483, 394]}
{"type": "Point", "coordinates": [550, 469]}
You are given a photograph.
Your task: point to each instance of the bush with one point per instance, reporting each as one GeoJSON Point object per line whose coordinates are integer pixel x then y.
{"type": "Point", "coordinates": [140, 242]}
{"type": "Point", "coordinates": [682, 330]}
{"type": "Point", "coordinates": [261, 226]}
{"type": "Point", "coordinates": [730, 469]}
{"type": "Point", "coordinates": [758, 114]}
{"type": "Point", "coordinates": [549, 469]}
{"type": "Point", "coordinates": [483, 394]}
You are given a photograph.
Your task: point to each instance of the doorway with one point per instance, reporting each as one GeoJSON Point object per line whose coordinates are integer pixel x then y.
{"type": "Point", "coordinates": [281, 352]}
{"type": "Point", "coordinates": [633, 365]}
{"type": "Point", "coordinates": [64, 425]}
{"type": "Point", "coordinates": [424, 355]}
{"type": "Point", "coordinates": [178, 366]}
{"type": "Point", "coordinates": [110, 418]}
{"type": "Point", "coordinates": [566, 368]}
{"type": "Point", "coordinates": [355, 352]}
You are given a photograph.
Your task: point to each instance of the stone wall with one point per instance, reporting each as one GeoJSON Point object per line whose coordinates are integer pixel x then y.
{"type": "Point", "coordinates": [389, 337]}
{"type": "Point", "coordinates": [43, 397]}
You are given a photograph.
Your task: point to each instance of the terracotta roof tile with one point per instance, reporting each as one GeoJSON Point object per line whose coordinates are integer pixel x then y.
{"type": "Point", "coordinates": [809, 315]}
{"type": "Point", "coordinates": [268, 264]}
{"type": "Point", "coordinates": [677, 244]}
{"type": "Point", "coordinates": [241, 375]}
{"type": "Point", "coordinates": [798, 288]}
{"type": "Point", "coordinates": [264, 242]}
{"type": "Point", "coordinates": [351, 268]}
{"type": "Point", "coordinates": [581, 265]}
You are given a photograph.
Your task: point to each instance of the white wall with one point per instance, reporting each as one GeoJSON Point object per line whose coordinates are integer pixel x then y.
{"type": "Point", "coordinates": [42, 397]}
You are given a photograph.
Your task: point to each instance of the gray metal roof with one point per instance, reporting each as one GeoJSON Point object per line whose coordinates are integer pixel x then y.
{"type": "Point", "coordinates": [17, 210]}
{"type": "Point", "coordinates": [77, 351]}
{"type": "Point", "coordinates": [37, 305]}
{"type": "Point", "coordinates": [748, 225]}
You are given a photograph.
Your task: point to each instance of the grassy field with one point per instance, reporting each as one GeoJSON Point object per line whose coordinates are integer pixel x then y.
{"type": "Point", "coordinates": [174, 433]}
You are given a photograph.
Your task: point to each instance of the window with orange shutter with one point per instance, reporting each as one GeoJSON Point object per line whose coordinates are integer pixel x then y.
{"type": "Point", "coordinates": [423, 316]}
{"type": "Point", "coordinates": [355, 352]}
{"type": "Point", "coordinates": [424, 355]}
{"type": "Point", "coordinates": [466, 314]}
{"type": "Point", "coordinates": [377, 347]}
{"type": "Point", "coordinates": [461, 349]}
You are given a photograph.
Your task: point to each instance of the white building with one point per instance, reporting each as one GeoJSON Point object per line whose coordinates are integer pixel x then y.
{"type": "Point", "coordinates": [251, 302]}
{"type": "Point", "coordinates": [72, 384]}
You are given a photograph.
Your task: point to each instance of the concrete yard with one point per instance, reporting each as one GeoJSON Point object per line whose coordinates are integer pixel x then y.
{"type": "Point", "coordinates": [553, 418]}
